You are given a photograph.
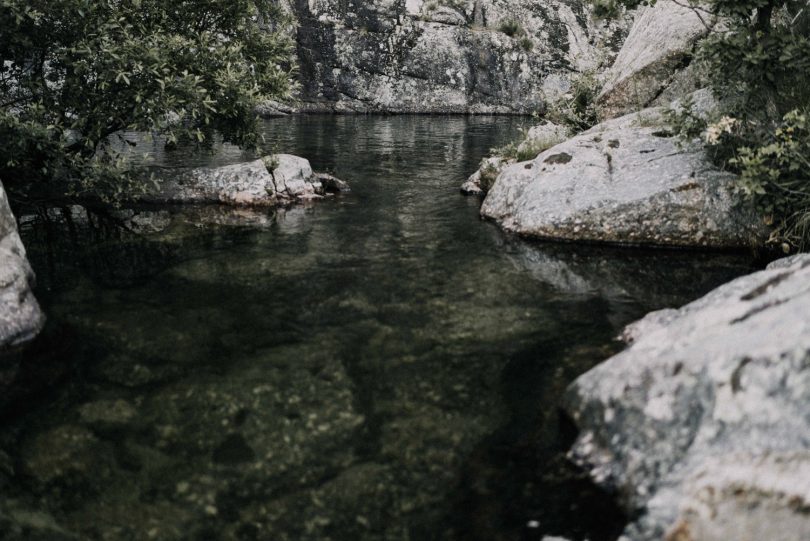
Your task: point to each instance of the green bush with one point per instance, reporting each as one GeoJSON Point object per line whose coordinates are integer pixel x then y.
{"type": "Point", "coordinates": [75, 72]}
{"type": "Point", "coordinates": [776, 175]}
{"type": "Point", "coordinates": [577, 108]}
{"type": "Point", "coordinates": [758, 63]}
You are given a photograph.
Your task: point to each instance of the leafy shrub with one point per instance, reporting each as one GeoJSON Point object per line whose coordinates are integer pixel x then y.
{"type": "Point", "coordinates": [776, 175]}
{"type": "Point", "coordinates": [577, 108]}
{"type": "Point", "coordinates": [758, 63]}
{"type": "Point", "coordinates": [75, 72]}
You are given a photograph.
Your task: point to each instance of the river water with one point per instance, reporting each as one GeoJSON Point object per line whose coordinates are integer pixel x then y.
{"type": "Point", "coordinates": [380, 365]}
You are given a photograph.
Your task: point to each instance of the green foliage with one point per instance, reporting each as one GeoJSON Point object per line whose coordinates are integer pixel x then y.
{"type": "Point", "coordinates": [511, 28]}
{"type": "Point", "coordinates": [489, 174]}
{"type": "Point", "coordinates": [75, 72]}
{"type": "Point", "coordinates": [577, 108]}
{"type": "Point", "coordinates": [684, 122]}
{"type": "Point", "coordinates": [526, 148]}
{"type": "Point", "coordinates": [758, 63]}
{"type": "Point", "coordinates": [776, 174]}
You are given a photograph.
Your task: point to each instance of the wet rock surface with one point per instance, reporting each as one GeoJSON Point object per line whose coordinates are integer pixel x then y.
{"type": "Point", "coordinates": [625, 181]}
{"type": "Point", "coordinates": [701, 424]}
{"type": "Point", "coordinates": [20, 316]}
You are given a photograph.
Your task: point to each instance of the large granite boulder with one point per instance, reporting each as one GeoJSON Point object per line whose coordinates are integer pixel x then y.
{"type": "Point", "coordinates": [654, 62]}
{"type": "Point", "coordinates": [443, 56]}
{"type": "Point", "coordinates": [274, 180]}
{"type": "Point", "coordinates": [20, 316]}
{"type": "Point", "coordinates": [626, 181]}
{"type": "Point", "coordinates": [701, 426]}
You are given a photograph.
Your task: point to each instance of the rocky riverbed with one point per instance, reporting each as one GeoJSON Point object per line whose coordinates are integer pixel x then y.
{"type": "Point", "coordinates": [374, 366]}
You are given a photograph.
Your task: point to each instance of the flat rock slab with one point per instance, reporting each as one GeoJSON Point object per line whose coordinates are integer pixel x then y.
{"type": "Point", "coordinates": [20, 316]}
{"type": "Point", "coordinates": [626, 181]}
{"type": "Point", "coordinates": [705, 416]}
{"type": "Point", "coordinates": [276, 180]}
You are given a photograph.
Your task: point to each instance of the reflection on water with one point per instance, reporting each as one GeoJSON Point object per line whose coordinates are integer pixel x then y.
{"type": "Point", "coordinates": [381, 365]}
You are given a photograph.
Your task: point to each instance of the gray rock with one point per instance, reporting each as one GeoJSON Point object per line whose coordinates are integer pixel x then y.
{"type": "Point", "coordinates": [272, 181]}
{"type": "Point", "coordinates": [241, 184]}
{"type": "Point", "coordinates": [331, 183]}
{"type": "Point", "coordinates": [747, 497]}
{"type": "Point", "coordinates": [704, 417]}
{"type": "Point", "coordinates": [20, 316]}
{"type": "Point", "coordinates": [542, 137]}
{"type": "Point", "coordinates": [107, 413]}
{"type": "Point", "coordinates": [482, 180]}
{"type": "Point", "coordinates": [21, 523]}
{"type": "Point", "coordinates": [538, 138]}
{"type": "Point", "coordinates": [660, 45]}
{"type": "Point", "coordinates": [626, 181]}
{"type": "Point", "coordinates": [467, 56]}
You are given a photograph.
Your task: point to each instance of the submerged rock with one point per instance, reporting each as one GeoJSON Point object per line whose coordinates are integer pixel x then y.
{"type": "Point", "coordinates": [272, 181]}
{"type": "Point", "coordinates": [654, 59]}
{"type": "Point", "coordinates": [20, 316]}
{"type": "Point", "coordinates": [626, 181]}
{"type": "Point", "coordinates": [701, 425]}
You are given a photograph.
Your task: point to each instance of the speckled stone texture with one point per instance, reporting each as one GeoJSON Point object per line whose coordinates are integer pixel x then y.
{"type": "Point", "coordinates": [626, 181]}
{"type": "Point", "coordinates": [20, 316]}
{"type": "Point", "coordinates": [275, 180]}
{"type": "Point", "coordinates": [655, 58]}
{"type": "Point", "coordinates": [444, 56]}
{"type": "Point", "coordinates": [701, 426]}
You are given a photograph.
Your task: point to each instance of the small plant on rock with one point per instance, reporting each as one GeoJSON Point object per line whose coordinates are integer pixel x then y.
{"type": "Point", "coordinates": [511, 28]}
{"type": "Point", "coordinates": [577, 108]}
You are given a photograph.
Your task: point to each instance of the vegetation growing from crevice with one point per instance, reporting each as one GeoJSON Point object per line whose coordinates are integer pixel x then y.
{"type": "Point", "coordinates": [758, 66]}
{"type": "Point", "coordinates": [526, 149]}
{"type": "Point", "coordinates": [576, 109]}
{"type": "Point", "coordinates": [74, 73]}
{"type": "Point", "coordinates": [511, 28]}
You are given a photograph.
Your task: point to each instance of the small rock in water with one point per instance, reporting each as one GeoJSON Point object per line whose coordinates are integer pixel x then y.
{"type": "Point", "coordinates": [107, 413]}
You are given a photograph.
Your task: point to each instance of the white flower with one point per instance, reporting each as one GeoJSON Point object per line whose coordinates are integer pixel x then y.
{"type": "Point", "coordinates": [715, 131]}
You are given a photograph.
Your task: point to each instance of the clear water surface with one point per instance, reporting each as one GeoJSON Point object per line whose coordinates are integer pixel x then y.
{"type": "Point", "coordinates": [381, 365]}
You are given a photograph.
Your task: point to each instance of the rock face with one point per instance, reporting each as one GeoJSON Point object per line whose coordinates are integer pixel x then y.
{"type": "Point", "coordinates": [626, 181]}
{"type": "Point", "coordinates": [653, 62]}
{"type": "Point", "coordinates": [20, 316]}
{"type": "Point", "coordinates": [275, 180]}
{"type": "Point", "coordinates": [702, 423]}
{"type": "Point", "coordinates": [443, 56]}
